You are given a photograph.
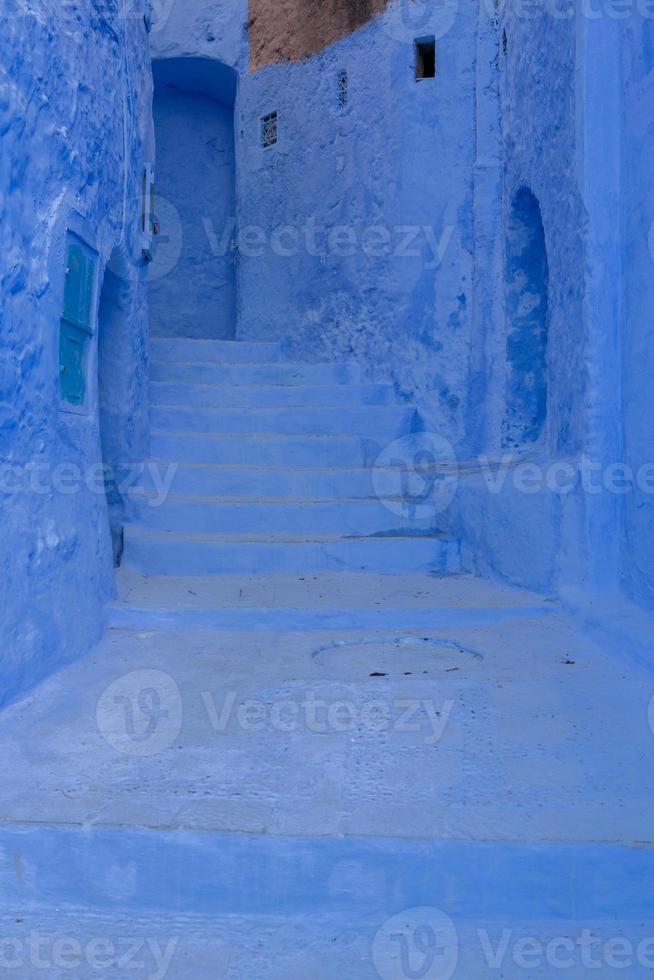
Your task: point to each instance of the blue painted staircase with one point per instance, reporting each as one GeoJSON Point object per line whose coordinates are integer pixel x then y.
{"type": "Point", "coordinates": [272, 465]}
{"type": "Point", "coordinates": [437, 767]}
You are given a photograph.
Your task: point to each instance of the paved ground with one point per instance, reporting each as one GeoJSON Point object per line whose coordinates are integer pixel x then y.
{"type": "Point", "coordinates": [277, 947]}
{"type": "Point", "coordinates": [511, 726]}
{"type": "Point", "coordinates": [269, 798]}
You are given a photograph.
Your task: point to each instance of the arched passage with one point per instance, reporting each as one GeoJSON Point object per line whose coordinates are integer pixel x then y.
{"type": "Point", "coordinates": [527, 284]}
{"type": "Point", "coordinates": [195, 180]}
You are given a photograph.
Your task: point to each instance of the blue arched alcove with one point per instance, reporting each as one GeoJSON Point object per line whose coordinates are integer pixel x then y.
{"type": "Point", "coordinates": [527, 312]}
{"type": "Point", "coordinates": [193, 289]}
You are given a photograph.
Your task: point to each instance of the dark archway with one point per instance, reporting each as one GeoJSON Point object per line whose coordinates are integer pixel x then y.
{"type": "Point", "coordinates": [118, 301]}
{"type": "Point", "coordinates": [527, 313]}
{"type": "Point", "coordinates": [196, 194]}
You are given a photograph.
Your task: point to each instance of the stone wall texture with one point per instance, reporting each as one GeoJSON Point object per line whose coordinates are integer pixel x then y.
{"type": "Point", "coordinates": [75, 124]}
{"type": "Point", "coordinates": [291, 30]}
{"type": "Point", "coordinates": [637, 544]}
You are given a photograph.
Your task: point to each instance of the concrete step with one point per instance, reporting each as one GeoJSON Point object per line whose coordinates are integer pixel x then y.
{"type": "Point", "coordinates": [318, 601]}
{"type": "Point", "coordinates": [384, 422]}
{"type": "Point", "coordinates": [286, 373]}
{"type": "Point", "coordinates": [264, 450]}
{"type": "Point", "coordinates": [169, 553]}
{"type": "Point", "coordinates": [219, 351]}
{"type": "Point", "coordinates": [254, 482]}
{"type": "Point", "coordinates": [270, 396]}
{"type": "Point", "coordinates": [212, 906]}
{"type": "Point", "coordinates": [127, 616]}
{"type": "Point", "coordinates": [348, 517]}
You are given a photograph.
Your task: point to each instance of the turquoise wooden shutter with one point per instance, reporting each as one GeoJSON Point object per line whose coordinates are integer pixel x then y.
{"type": "Point", "coordinates": [76, 323]}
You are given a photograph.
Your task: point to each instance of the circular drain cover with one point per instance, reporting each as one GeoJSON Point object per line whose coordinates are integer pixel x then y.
{"type": "Point", "coordinates": [396, 656]}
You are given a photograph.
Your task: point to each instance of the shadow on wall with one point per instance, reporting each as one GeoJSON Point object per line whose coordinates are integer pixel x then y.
{"type": "Point", "coordinates": [527, 283]}
{"type": "Point", "coordinates": [192, 289]}
{"type": "Point", "coordinates": [115, 355]}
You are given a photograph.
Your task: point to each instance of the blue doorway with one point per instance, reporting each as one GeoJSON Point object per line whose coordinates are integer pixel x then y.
{"type": "Point", "coordinates": [195, 196]}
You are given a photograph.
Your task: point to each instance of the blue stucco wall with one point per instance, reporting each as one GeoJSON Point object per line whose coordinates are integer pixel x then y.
{"type": "Point", "coordinates": [194, 122]}
{"type": "Point", "coordinates": [637, 545]}
{"type": "Point", "coordinates": [527, 115]}
{"type": "Point", "coordinates": [392, 171]}
{"type": "Point", "coordinates": [215, 29]}
{"type": "Point", "coordinates": [356, 230]}
{"type": "Point", "coordinates": [73, 149]}
{"type": "Point", "coordinates": [539, 129]}
{"type": "Point", "coordinates": [360, 219]}
{"type": "Point", "coordinates": [570, 103]}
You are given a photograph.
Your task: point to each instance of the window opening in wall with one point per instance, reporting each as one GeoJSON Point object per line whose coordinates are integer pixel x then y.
{"type": "Point", "coordinates": [76, 324]}
{"type": "Point", "coordinates": [426, 58]}
{"type": "Point", "coordinates": [343, 85]}
{"type": "Point", "coordinates": [269, 130]}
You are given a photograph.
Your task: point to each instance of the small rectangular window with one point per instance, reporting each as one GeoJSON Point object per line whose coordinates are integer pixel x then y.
{"type": "Point", "coordinates": [426, 58]}
{"type": "Point", "coordinates": [269, 130]}
{"type": "Point", "coordinates": [343, 84]}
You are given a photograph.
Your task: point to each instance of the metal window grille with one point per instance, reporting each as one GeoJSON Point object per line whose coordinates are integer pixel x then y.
{"type": "Point", "coordinates": [269, 130]}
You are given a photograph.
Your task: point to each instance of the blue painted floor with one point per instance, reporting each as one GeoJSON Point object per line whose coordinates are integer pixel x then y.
{"type": "Point", "coordinates": [307, 746]}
